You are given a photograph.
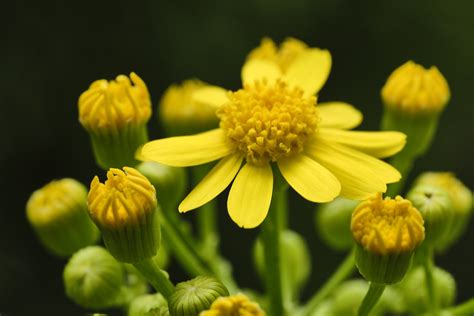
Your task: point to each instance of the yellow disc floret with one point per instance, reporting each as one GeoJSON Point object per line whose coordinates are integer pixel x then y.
{"type": "Point", "coordinates": [55, 200]}
{"type": "Point", "coordinates": [268, 121]}
{"type": "Point", "coordinates": [387, 226]}
{"type": "Point", "coordinates": [412, 88]}
{"type": "Point", "coordinates": [114, 104]}
{"type": "Point", "coordinates": [124, 199]}
{"type": "Point", "coordinates": [282, 56]}
{"type": "Point", "coordinates": [236, 305]}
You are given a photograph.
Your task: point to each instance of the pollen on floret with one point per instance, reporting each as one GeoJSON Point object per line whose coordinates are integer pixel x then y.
{"type": "Point", "coordinates": [412, 88]}
{"type": "Point", "coordinates": [125, 198]}
{"type": "Point", "coordinates": [114, 104]}
{"type": "Point", "coordinates": [267, 121]}
{"type": "Point", "coordinates": [238, 305]}
{"type": "Point", "coordinates": [387, 226]}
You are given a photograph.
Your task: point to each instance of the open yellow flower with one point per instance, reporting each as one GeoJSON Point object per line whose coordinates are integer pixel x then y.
{"type": "Point", "coordinates": [273, 119]}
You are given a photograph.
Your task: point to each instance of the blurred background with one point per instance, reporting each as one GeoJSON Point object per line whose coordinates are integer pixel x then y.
{"type": "Point", "coordinates": [51, 51]}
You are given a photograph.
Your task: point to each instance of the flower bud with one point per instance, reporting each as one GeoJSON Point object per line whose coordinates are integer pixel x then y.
{"type": "Point", "coordinates": [415, 291]}
{"type": "Point", "coordinates": [125, 210]}
{"type": "Point", "coordinates": [115, 114]}
{"type": "Point", "coordinates": [386, 232]}
{"type": "Point", "coordinates": [181, 113]}
{"type": "Point", "coordinates": [333, 223]}
{"type": "Point", "coordinates": [144, 304]}
{"type": "Point", "coordinates": [435, 206]}
{"type": "Point", "coordinates": [236, 305]}
{"type": "Point", "coordinates": [414, 97]}
{"type": "Point", "coordinates": [461, 198]}
{"type": "Point", "coordinates": [294, 253]}
{"type": "Point", "coordinates": [58, 214]}
{"type": "Point", "coordinates": [92, 278]}
{"type": "Point", "coordinates": [196, 295]}
{"type": "Point", "coordinates": [169, 182]}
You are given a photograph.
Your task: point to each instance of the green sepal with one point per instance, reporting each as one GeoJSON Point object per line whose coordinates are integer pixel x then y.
{"type": "Point", "coordinates": [383, 269]}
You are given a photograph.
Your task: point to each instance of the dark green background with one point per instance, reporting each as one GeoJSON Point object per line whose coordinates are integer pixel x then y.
{"type": "Point", "coordinates": [51, 52]}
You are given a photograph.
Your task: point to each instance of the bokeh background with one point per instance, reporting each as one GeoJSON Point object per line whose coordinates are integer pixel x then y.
{"type": "Point", "coordinates": [51, 51]}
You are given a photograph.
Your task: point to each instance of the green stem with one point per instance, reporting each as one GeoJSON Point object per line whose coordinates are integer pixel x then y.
{"type": "Point", "coordinates": [371, 298]}
{"type": "Point", "coordinates": [158, 279]}
{"type": "Point", "coordinates": [428, 267]}
{"type": "Point", "coordinates": [466, 308]}
{"type": "Point", "coordinates": [183, 251]}
{"type": "Point", "coordinates": [282, 209]}
{"type": "Point", "coordinates": [403, 164]}
{"type": "Point", "coordinates": [270, 235]}
{"type": "Point", "coordinates": [345, 269]}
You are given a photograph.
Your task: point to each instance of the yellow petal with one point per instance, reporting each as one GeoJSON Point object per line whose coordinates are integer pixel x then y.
{"type": "Point", "coordinates": [339, 115]}
{"type": "Point", "coordinates": [360, 175]}
{"type": "Point", "coordinates": [310, 70]}
{"type": "Point", "coordinates": [311, 180]}
{"type": "Point", "coordinates": [213, 183]}
{"type": "Point", "coordinates": [257, 69]}
{"type": "Point", "coordinates": [377, 144]}
{"type": "Point", "coordinates": [185, 151]}
{"type": "Point", "coordinates": [250, 195]}
{"type": "Point", "coordinates": [212, 96]}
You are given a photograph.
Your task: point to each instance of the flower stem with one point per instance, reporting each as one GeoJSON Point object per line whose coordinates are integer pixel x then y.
{"type": "Point", "coordinates": [371, 298]}
{"type": "Point", "coordinates": [270, 235]}
{"type": "Point", "coordinates": [466, 308]}
{"type": "Point", "coordinates": [345, 269]}
{"type": "Point", "coordinates": [158, 279]}
{"type": "Point", "coordinates": [404, 165]}
{"type": "Point", "coordinates": [430, 288]}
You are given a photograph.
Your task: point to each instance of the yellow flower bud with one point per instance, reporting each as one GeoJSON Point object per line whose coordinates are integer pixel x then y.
{"type": "Point", "coordinates": [125, 210]}
{"type": "Point", "coordinates": [115, 114]}
{"type": "Point", "coordinates": [414, 89]}
{"type": "Point", "coordinates": [58, 214]}
{"type": "Point", "coordinates": [182, 114]}
{"type": "Point", "coordinates": [386, 232]}
{"type": "Point", "coordinates": [461, 198]}
{"type": "Point", "coordinates": [236, 305]}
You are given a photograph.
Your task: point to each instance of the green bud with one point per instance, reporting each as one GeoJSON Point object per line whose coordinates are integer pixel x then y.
{"type": "Point", "coordinates": [461, 198]}
{"type": "Point", "coordinates": [162, 258]}
{"type": "Point", "coordinates": [333, 223]}
{"type": "Point", "coordinates": [93, 278]}
{"type": "Point", "coordinates": [58, 214]}
{"type": "Point", "coordinates": [144, 304]}
{"type": "Point", "coordinates": [415, 291]}
{"type": "Point", "coordinates": [115, 114]}
{"type": "Point", "coordinates": [435, 206]}
{"type": "Point", "coordinates": [196, 295]}
{"type": "Point", "coordinates": [126, 211]}
{"type": "Point", "coordinates": [158, 311]}
{"type": "Point", "coordinates": [169, 182]}
{"type": "Point", "coordinates": [295, 264]}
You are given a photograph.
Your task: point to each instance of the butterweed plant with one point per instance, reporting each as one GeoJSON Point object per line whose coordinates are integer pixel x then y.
{"type": "Point", "coordinates": [260, 140]}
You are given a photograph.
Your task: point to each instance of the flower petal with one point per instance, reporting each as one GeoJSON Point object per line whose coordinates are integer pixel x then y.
{"type": "Point", "coordinates": [250, 195]}
{"type": "Point", "coordinates": [185, 151]}
{"type": "Point", "coordinates": [339, 115]}
{"type": "Point", "coordinates": [213, 183]}
{"type": "Point", "coordinates": [360, 175]}
{"type": "Point", "coordinates": [377, 144]}
{"type": "Point", "coordinates": [310, 70]}
{"type": "Point", "coordinates": [257, 69]}
{"type": "Point", "coordinates": [311, 180]}
{"type": "Point", "coordinates": [212, 96]}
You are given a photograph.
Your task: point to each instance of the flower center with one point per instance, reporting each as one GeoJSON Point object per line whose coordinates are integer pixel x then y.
{"type": "Point", "coordinates": [267, 121]}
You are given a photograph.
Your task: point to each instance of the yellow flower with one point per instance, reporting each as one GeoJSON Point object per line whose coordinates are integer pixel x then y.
{"type": "Point", "coordinates": [181, 114]}
{"type": "Point", "coordinates": [236, 305]}
{"type": "Point", "coordinates": [387, 226]}
{"type": "Point", "coordinates": [114, 104]}
{"type": "Point", "coordinates": [414, 89]}
{"type": "Point", "coordinates": [274, 119]}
